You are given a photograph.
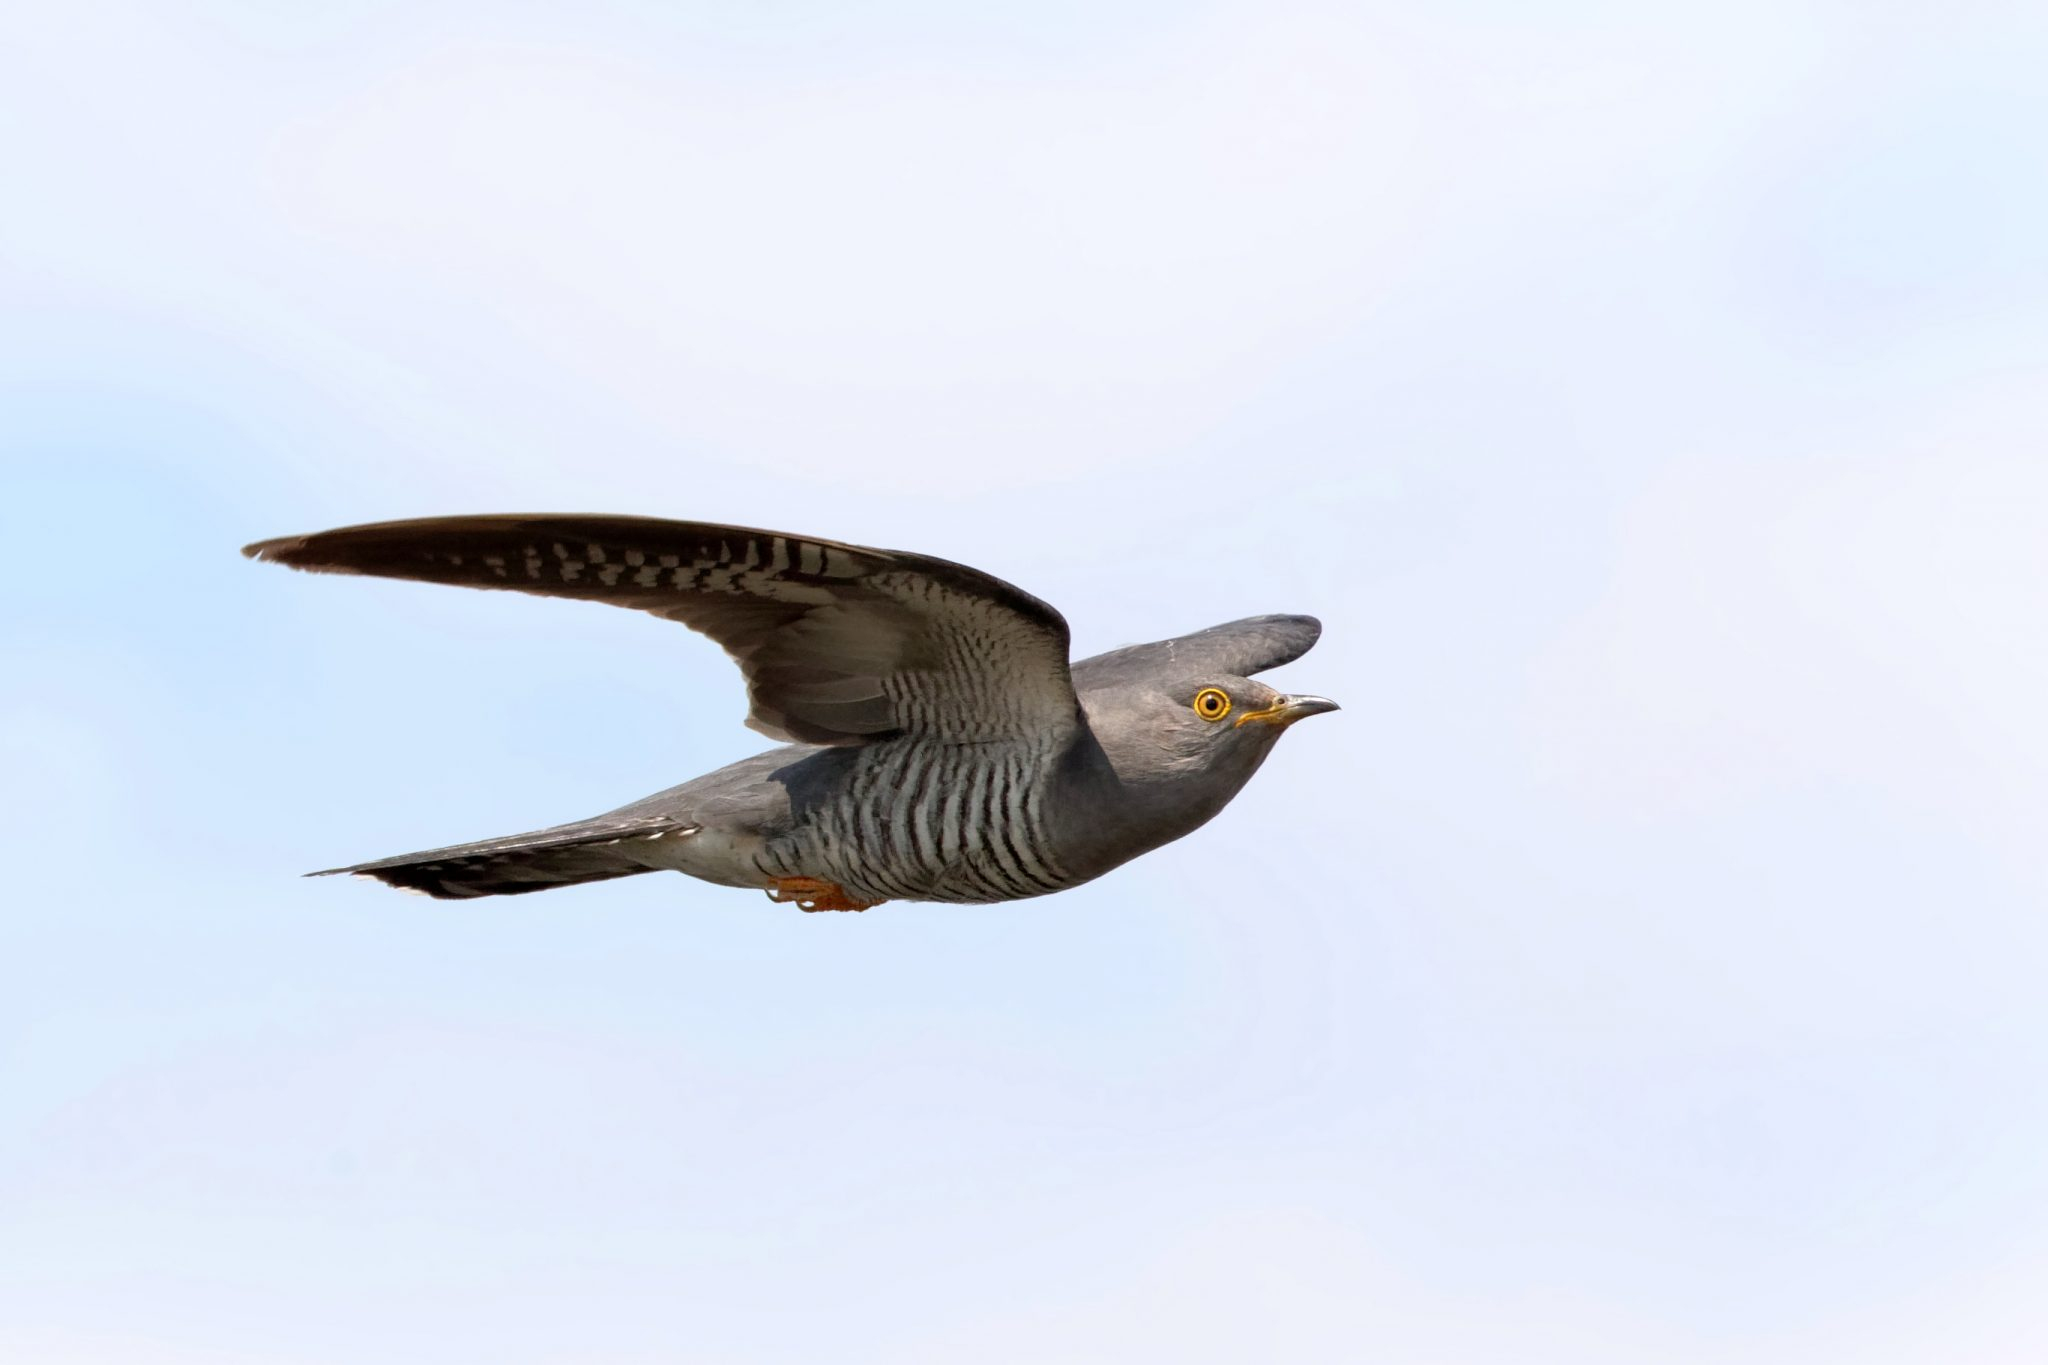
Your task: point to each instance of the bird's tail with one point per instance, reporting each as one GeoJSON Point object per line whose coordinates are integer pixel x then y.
{"type": "Point", "coordinates": [587, 851]}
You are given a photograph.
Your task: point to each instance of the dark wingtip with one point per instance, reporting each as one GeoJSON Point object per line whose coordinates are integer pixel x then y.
{"type": "Point", "coordinates": [296, 552]}
{"type": "Point", "coordinates": [1309, 623]}
{"type": "Point", "coordinates": [1277, 618]}
{"type": "Point", "coordinates": [408, 880]}
{"type": "Point", "coordinates": [1285, 621]}
{"type": "Point", "coordinates": [275, 551]}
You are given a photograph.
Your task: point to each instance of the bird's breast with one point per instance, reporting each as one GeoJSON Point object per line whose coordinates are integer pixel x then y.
{"type": "Point", "coordinates": [921, 820]}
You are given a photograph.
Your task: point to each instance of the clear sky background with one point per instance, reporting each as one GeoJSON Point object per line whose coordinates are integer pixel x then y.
{"type": "Point", "coordinates": [1647, 964]}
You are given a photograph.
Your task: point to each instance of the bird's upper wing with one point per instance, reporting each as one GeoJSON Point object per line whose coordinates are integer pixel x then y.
{"type": "Point", "coordinates": [1237, 648]}
{"type": "Point", "coordinates": [840, 644]}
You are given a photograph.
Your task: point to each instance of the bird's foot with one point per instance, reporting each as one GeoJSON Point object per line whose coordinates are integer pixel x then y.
{"type": "Point", "coordinates": [809, 893]}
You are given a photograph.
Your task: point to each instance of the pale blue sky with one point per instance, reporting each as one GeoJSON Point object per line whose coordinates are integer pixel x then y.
{"type": "Point", "coordinates": [1646, 965]}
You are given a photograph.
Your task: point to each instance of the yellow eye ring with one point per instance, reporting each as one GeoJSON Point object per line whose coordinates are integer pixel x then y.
{"type": "Point", "coordinates": [1212, 703]}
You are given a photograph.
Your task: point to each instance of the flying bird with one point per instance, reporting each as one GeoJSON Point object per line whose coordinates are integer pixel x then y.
{"type": "Point", "coordinates": [938, 744]}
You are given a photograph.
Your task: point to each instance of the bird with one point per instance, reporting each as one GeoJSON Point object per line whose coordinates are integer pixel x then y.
{"type": "Point", "coordinates": [937, 742]}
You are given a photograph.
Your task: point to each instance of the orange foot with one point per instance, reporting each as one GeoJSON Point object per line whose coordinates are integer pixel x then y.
{"type": "Point", "coordinates": [808, 893]}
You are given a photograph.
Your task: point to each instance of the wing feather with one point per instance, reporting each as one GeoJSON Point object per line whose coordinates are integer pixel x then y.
{"type": "Point", "coordinates": [1237, 648]}
{"type": "Point", "coordinates": [839, 643]}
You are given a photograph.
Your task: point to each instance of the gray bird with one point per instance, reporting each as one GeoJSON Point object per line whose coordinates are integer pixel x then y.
{"type": "Point", "coordinates": [940, 747]}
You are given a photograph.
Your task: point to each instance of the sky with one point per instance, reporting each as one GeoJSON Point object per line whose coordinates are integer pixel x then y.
{"type": "Point", "coordinates": [1646, 964]}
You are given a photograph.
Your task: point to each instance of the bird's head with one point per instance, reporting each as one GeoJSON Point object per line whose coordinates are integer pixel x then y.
{"type": "Point", "coordinates": [1183, 748]}
{"type": "Point", "coordinates": [1218, 723]}
{"type": "Point", "coordinates": [1177, 727]}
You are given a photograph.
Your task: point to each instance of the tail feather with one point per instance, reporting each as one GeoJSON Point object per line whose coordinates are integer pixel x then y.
{"type": "Point", "coordinates": [566, 855]}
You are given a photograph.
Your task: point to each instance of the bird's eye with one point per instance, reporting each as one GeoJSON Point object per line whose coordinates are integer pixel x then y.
{"type": "Point", "coordinates": [1212, 703]}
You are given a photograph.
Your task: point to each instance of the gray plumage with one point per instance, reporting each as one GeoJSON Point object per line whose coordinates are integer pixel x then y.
{"type": "Point", "coordinates": [940, 745]}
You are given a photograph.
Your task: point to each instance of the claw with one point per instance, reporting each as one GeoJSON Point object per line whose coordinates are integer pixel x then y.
{"type": "Point", "coordinates": [810, 893]}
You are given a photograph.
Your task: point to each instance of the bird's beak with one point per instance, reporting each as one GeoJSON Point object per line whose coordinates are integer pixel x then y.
{"type": "Point", "coordinates": [1288, 710]}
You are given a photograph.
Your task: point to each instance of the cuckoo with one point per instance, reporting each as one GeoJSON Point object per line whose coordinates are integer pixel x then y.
{"type": "Point", "coordinates": [938, 744]}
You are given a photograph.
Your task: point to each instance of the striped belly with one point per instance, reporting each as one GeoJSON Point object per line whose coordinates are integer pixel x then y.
{"type": "Point", "coordinates": [922, 821]}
